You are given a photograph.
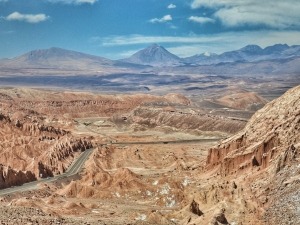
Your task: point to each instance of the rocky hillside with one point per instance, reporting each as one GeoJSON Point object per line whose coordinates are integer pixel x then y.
{"type": "Point", "coordinates": [32, 148]}
{"type": "Point", "coordinates": [265, 158]}
{"type": "Point", "coordinates": [189, 121]}
{"type": "Point", "coordinates": [10, 177]}
{"type": "Point", "coordinates": [242, 100]}
{"type": "Point", "coordinates": [80, 104]}
{"type": "Point", "coordinates": [270, 132]}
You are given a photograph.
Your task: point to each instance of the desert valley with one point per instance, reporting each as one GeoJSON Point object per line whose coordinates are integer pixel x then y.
{"type": "Point", "coordinates": [151, 139]}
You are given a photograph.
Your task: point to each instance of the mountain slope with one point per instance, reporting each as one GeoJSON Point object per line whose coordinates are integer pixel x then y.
{"type": "Point", "coordinates": [57, 58]}
{"type": "Point", "coordinates": [53, 60]}
{"type": "Point", "coordinates": [153, 55]}
{"type": "Point", "coordinates": [271, 130]}
{"type": "Point", "coordinates": [265, 157]}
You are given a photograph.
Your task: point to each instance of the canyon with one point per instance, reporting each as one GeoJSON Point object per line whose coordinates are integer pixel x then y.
{"type": "Point", "coordinates": [156, 159]}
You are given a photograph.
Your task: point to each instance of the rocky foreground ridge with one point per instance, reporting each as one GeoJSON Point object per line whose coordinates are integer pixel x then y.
{"type": "Point", "coordinates": [264, 157]}
{"type": "Point", "coordinates": [270, 135]}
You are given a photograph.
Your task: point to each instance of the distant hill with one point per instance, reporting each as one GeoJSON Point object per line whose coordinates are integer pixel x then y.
{"type": "Point", "coordinates": [154, 55]}
{"type": "Point", "coordinates": [61, 59]}
{"type": "Point", "coordinates": [58, 58]}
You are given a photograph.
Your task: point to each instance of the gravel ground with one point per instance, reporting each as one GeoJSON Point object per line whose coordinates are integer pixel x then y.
{"type": "Point", "coordinates": [29, 216]}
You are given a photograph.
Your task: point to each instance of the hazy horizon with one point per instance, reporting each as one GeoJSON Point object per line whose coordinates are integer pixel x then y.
{"type": "Point", "coordinates": [54, 47]}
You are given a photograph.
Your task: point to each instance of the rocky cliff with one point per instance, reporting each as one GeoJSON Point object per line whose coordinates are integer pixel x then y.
{"type": "Point", "coordinates": [31, 149]}
{"type": "Point", "coordinates": [10, 177]}
{"type": "Point", "coordinates": [271, 132]}
{"type": "Point", "coordinates": [264, 160]}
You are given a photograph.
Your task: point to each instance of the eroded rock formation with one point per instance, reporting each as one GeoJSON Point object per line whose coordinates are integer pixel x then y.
{"type": "Point", "coordinates": [269, 135]}
{"type": "Point", "coordinates": [265, 158]}
{"type": "Point", "coordinates": [84, 104]}
{"type": "Point", "coordinates": [10, 177]}
{"type": "Point", "coordinates": [182, 120]}
{"type": "Point", "coordinates": [31, 149]}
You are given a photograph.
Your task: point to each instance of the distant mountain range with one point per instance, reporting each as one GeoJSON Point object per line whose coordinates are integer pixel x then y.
{"type": "Point", "coordinates": [276, 59]}
{"type": "Point", "coordinates": [156, 55]}
{"type": "Point", "coordinates": [250, 53]}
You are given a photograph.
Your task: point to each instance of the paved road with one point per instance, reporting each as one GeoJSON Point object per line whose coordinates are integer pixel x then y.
{"type": "Point", "coordinates": [202, 140]}
{"type": "Point", "coordinates": [75, 167]}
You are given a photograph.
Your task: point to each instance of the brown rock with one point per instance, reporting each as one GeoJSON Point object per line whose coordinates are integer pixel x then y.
{"type": "Point", "coordinates": [194, 208]}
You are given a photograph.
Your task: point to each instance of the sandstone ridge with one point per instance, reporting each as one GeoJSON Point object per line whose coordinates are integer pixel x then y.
{"type": "Point", "coordinates": [271, 132]}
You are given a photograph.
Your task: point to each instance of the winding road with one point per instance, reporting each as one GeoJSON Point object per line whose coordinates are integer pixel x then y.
{"type": "Point", "coordinates": [77, 165]}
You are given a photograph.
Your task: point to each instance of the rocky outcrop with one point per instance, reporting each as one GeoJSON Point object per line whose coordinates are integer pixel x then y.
{"type": "Point", "coordinates": [59, 156]}
{"type": "Point", "coordinates": [35, 129]}
{"type": "Point", "coordinates": [96, 182]}
{"type": "Point", "coordinates": [27, 144]}
{"type": "Point", "coordinates": [10, 177]}
{"type": "Point", "coordinates": [270, 133]}
{"type": "Point", "coordinates": [194, 208]}
{"type": "Point", "coordinates": [219, 217]}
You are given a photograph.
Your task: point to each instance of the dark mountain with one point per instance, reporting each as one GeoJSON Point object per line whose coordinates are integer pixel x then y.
{"type": "Point", "coordinates": [251, 49]}
{"type": "Point", "coordinates": [275, 49]}
{"type": "Point", "coordinates": [153, 55]}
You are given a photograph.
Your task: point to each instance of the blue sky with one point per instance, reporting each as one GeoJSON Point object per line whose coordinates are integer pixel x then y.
{"type": "Point", "coordinates": [117, 28]}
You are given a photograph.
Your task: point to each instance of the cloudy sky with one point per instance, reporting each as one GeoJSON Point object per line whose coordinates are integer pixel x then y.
{"type": "Point", "coordinates": [117, 28]}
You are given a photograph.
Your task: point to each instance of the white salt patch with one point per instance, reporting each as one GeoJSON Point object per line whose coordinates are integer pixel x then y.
{"type": "Point", "coordinates": [141, 217]}
{"type": "Point", "coordinates": [165, 189]}
{"type": "Point", "coordinates": [155, 183]}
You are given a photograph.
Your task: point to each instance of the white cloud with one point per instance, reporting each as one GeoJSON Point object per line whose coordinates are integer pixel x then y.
{"type": "Point", "coordinates": [29, 18]}
{"type": "Point", "coordinates": [75, 2]}
{"type": "Point", "coordinates": [166, 18]}
{"type": "Point", "coordinates": [186, 50]}
{"type": "Point", "coordinates": [201, 20]}
{"type": "Point", "coordinates": [171, 6]}
{"type": "Point", "coordinates": [269, 13]}
{"type": "Point", "coordinates": [209, 3]}
{"type": "Point", "coordinates": [140, 39]}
